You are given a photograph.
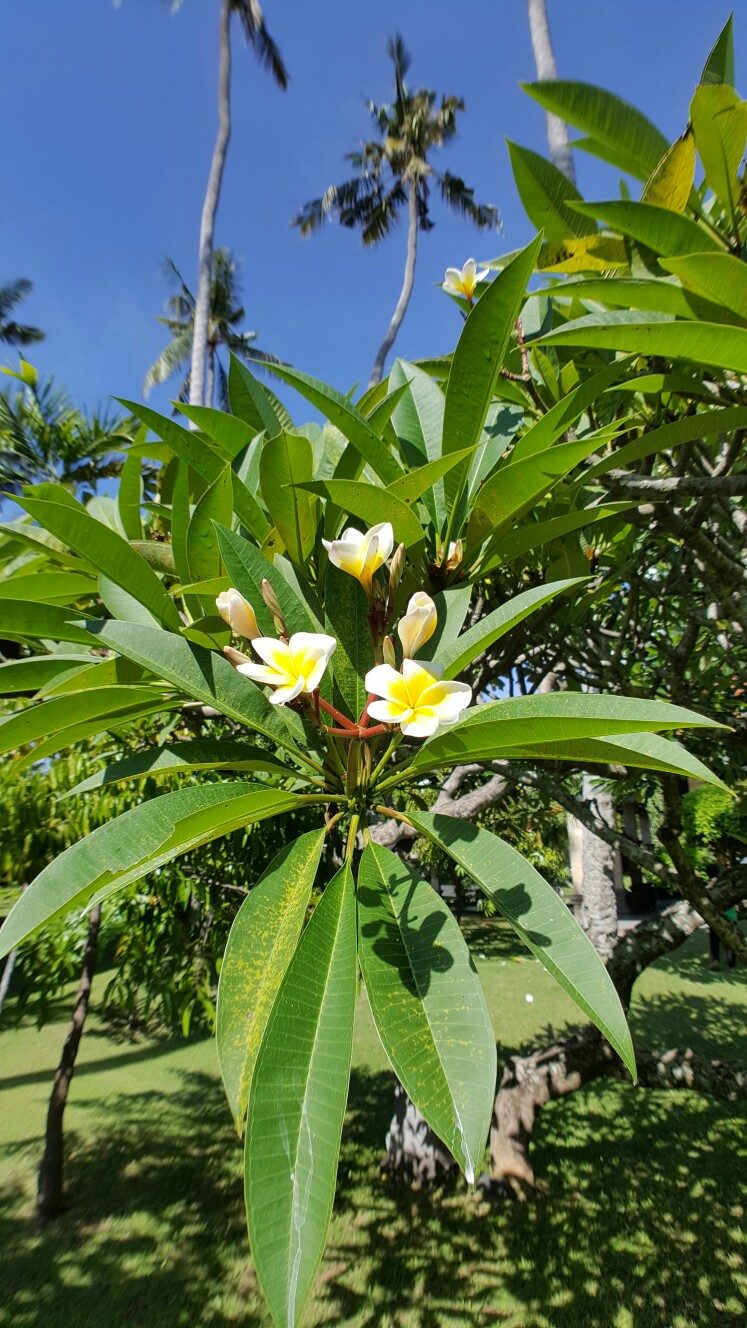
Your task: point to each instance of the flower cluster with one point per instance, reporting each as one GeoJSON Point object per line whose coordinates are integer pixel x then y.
{"type": "Point", "coordinates": [414, 698]}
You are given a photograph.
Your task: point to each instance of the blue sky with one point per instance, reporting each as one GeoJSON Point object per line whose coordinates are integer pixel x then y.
{"type": "Point", "coordinates": [110, 115]}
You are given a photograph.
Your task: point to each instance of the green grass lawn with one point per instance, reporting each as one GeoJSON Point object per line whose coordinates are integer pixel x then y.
{"type": "Point", "coordinates": [639, 1217]}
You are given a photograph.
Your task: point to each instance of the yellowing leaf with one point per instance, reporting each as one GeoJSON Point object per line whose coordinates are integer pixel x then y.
{"type": "Point", "coordinates": [670, 184]}
{"type": "Point", "coordinates": [589, 253]}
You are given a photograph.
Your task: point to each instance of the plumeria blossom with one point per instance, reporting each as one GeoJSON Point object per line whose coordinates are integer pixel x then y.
{"type": "Point", "coordinates": [416, 698]}
{"type": "Point", "coordinates": [464, 282]}
{"type": "Point", "coordinates": [238, 613]}
{"type": "Point", "coordinates": [418, 624]}
{"type": "Point", "coordinates": [362, 555]}
{"type": "Point", "coordinates": [454, 555]}
{"type": "Point", "coordinates": [291, 667]}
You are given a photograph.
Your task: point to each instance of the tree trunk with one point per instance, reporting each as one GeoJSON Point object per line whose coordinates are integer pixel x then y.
{"type": "Point", "coordinates": [544, 58]}
{"type": "Point", "coordinates": [599, 903]}
{"type": "Point", "coordinates": [413, 1152]}
{"type": "Point", "coordinates": [50, 1191]}
{"type": "Point", "coordinates": [407, 284]}
{"type": "Point", "coordinates": [209, 211]}
{"type": "Point", "coordinates": [210, 377]}
{"type": "Point", "coordinates": [10, 964]}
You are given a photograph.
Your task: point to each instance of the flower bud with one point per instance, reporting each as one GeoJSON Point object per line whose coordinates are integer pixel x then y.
{"type": "Point", "coordinates": [388, 652]}
{"type": "Point", "coordinates": [235, 657]}
{"type": "Point", "coordinates": [396, 569]}
{"type": "Point", "coordinates": [273, 604]}
{"type": "Point", "coordinates": [238, 613]}
{"type": "Point", "coordinates": [454, 555]}
{"type": "Point", "coordinates": [418, 624]}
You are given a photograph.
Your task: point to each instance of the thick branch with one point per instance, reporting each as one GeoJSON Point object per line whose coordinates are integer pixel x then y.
{"type": "Point", "coordinates": [686, 486]}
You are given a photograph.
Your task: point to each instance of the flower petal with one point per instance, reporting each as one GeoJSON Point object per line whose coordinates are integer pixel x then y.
{"type": "Point", "coordinates": [388, 712]}
{"type": "Point", "coordinates": [275, 653]}
{"type": "Point", "coordinates": [385, 681]}
{"type": "Point", "coordinates": [422, 723]}
{"type": "Point", "coordinates": [282, 695]}
{"type": "Point", "coordinates": [302, 641]}
{"type": "Point", "coordinates": [453, 699]}
{"type": "Point", "coordinates": [260, 673]}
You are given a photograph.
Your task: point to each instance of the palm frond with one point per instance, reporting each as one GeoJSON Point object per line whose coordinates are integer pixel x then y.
{"type": "Point", "coordinates": [401, 59]}
{"type": "Point", "coordinates": [461, 199]}
{"type": "Point", "coordinates": [11, 332]}
{"type": "Point", "coordinates": [253, 22]}
{"type": "Point", "coordinates": [176, 354]}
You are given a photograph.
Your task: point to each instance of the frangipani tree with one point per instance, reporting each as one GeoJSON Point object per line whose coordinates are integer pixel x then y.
{"type": "Point", "coordinates": [320, 597]}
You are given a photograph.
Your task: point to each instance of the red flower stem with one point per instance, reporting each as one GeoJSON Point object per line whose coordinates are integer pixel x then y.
{"type": "Point", "coordinates": [341, 719]}
{"type": "Point", "coordinates": [356, 731]}
{"type": "Point", "coordinates": [365, 717]}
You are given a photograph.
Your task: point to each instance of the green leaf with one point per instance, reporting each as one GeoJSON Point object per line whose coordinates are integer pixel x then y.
{"type": "Point", "coordinates": [719, 120]}
{"type": "Point", "coordinates": [536, 534]}
{"type": "Point", "coordinates": [452, 607]}
{"type": "Point", "coordinates": [669, 436]}
{"type": "Point", "coordinates": [708, 343]}
{"type": "Point", "coordinates": [230, 434]}
{"type": "Point", "coordinates": [45, 622]}
{"type": "Point", "coordinates": [177, 757]}
{"type": "Point", "coordinates": [127, 848]}
{"type": "Point", "coordinates": [372, 505]}
{"type": "Point", "coordinates": [254, 403]}
{"type": "Point", "coordinates": [419, 423]}
{"type": "Point", "coordinates": [564, 414]}
{"type": "Point", "coordinates": [116, 722]}
{"type": "Point", "coordinates": [28, 675]}
{"type": "Point", "coordinates": [202, 674]}
{"type": "Point", "coordinates": [486, 731]}
{"type": "Point", "coordinates": [122, 605]}
{"type": "Point", "coordinates": [51, 717]}
{"type": "Point", "coordinates": [539, 917]}
{"type": "Point", "coordinates": [130, 495]}
{"type": "Point", "coordinates": [719, 67]}
{"type": "Point", "coordinates": [721, 278]}
{"type": "Point", "coordinates": [247, 569]}
{"type": "Point", "coordinates": [342, 413]}
{"type": "Point", "coordinates": [628, 139]}
{"type": "Point", "coordinates": [347, 619]}
{"type": "Point", "coordinates": [667, 233]}
{"type": "Point", "coordinates": [658, 295]}
{"type": "Point", "coordinates": [215, 506]}
{"type": "Point", "coordinates": [647, 751]}
{"type": "Point", "coordinates": [286, 464]}
{"type": "Point", "coordinates": [51, 587]}
{"type": "Point", "coordinates": [487, 631]}
{"type": "Point", "coordinates": [512, 489]}
{"type": "Point", "coordinates": [478, 360]}
{"type": "Point", "coordinates": [419, 481]}
{"type": "Point", "coordinates": [261, 944]}
{"type": "Point", "coordinates": [297, 1105]}
{"type": "Point", "coordinates": [544, 190]}
{"type": "Point", "coordinates": [427, 1003]}
{"type": "Point", "coordinates": [102, 547]}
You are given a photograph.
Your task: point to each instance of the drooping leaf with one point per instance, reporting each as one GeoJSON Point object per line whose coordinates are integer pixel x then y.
{"type": "Point", "coordinates": [535, 534]}
{"type": "Point", "coordinates": [102, 547]}
{"type": "Point", "coordinates": [539, 917]}
{"type": "Point", "coordinates": [260, 946]}
{"type": "Point", "coordinates": [177, 757]}
{"type": "Point", "coordinates": [297, 1105]}
{"type": "Point", "coordinates": [666, 232]}
{"type": "Point", "coordinates": [646, 751]}
{"type": "Point", "coordinates": [46, 622]}
{"type": "Point", "coordinates": [427, 1003]}
{"type": "Point", "coordinates": [127, 848]}
{"type": "Point", "coordinates": [707, 343]}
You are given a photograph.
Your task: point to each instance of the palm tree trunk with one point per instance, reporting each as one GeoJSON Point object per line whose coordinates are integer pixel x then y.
{"type": "Point", "coordinates": [405, 293]}
{"type": "Point", "coordinates": [599, 903]}
{"type": "Point", "coordinates": [50, 1188]}
{"type": "Point", "coordinates": [211, 377]}
{"type": "Point", "coordinates": [544, 58]}
{"type": "Point", "coordinates": [209, 210]}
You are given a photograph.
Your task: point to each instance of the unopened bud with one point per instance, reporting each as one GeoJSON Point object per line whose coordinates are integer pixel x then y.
{"type": "Point", "coordinates": [280, 627]}
{"type": "Point", "coordinates": [396, 569]}
{"type": "Point", "coordinates": [273, 604]}
{"type": "Point", "coordinates": [454, 555]}
{"type": "Point", "coordinates": [238, 613]}
{"type": "Point", "coordinates": [388, 652]}
{"type": "Point", "coordinates": [235, 657]}
{"type": "Point", "coordinates": [351, 774]}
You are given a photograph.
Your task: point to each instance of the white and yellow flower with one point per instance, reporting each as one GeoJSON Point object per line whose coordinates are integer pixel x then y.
{"type": "Point", "coordinates": [416, 698]}
{"type": "Point", "coordinates": [238, 613]}
{"type": "Point", "coordinates": [418, 624]}
{"type": "Point", "coordinates": [464, 282]}
{"type": "Point", "coordinates": [291, 667]}
{"type": "Point", "coordinates": [362, 555]}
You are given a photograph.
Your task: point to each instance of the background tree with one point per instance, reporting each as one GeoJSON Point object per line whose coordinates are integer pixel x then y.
{"type": "Point", "coordinates": [394, 171]}
{"type": "Point", "coordinates": [44, 436]}
{"type": "Point", "coordinates": [11, 332]}
{"type": "Point", "coordinates": [251, 18]}
{"type": "Point", "coordinates": [544, 59]}
{"type": "Point", "coordinates": [226, 313]}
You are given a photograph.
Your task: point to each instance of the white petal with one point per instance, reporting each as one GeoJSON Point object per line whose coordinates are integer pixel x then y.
{"type": "Point", "coordinates": [385, 535]}
{"type": "Point", "coordinates": [314, 671]}
{"type": "Point", "coordinates": [347, 556]}
{"type": "Point", "coordinates": [352, 536]}
{"type": "Point", "coordinates": [387, 712]}
{"type": "Point", "coordinates": [312, 641]}
{"type": "Point", "coordinates": [453, 278]}
{"type": "Point", "coordinates": [281, 695]}
{"type": "Point", "coordinates": [422, 724]}
{"type": "Point", "coordinates": [468, 271]}
{"type": "Point", "coordinates": [260, 673]}
{"type": "Point", "coordinates": [273, 652]}
{"type": "Point", "coordinates": [450, 706]}
{"type": "Point", "coordinates": [483, 274]}
{"type": "Point", "coordinates": [413, 669]}
{"type": "Point", "coordinates": [384, 681]}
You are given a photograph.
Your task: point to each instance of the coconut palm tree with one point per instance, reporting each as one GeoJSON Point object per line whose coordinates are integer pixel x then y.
{"type": "Point", "coordinates": [251, 18]}
{"type": "Point", "coordinates": [393, 172]}
{"type": "Point", "coordinates": [544, 58]}
{"type": "Point", "coordinates": [44, 437]}
{"type": "Point", "coordinates": [16, 334]}
{"type": "Point", "coordinates": [224, 315]}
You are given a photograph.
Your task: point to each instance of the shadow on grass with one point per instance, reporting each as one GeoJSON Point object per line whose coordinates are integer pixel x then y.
{"type": "Point", "coordinates": [637, 1223]}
